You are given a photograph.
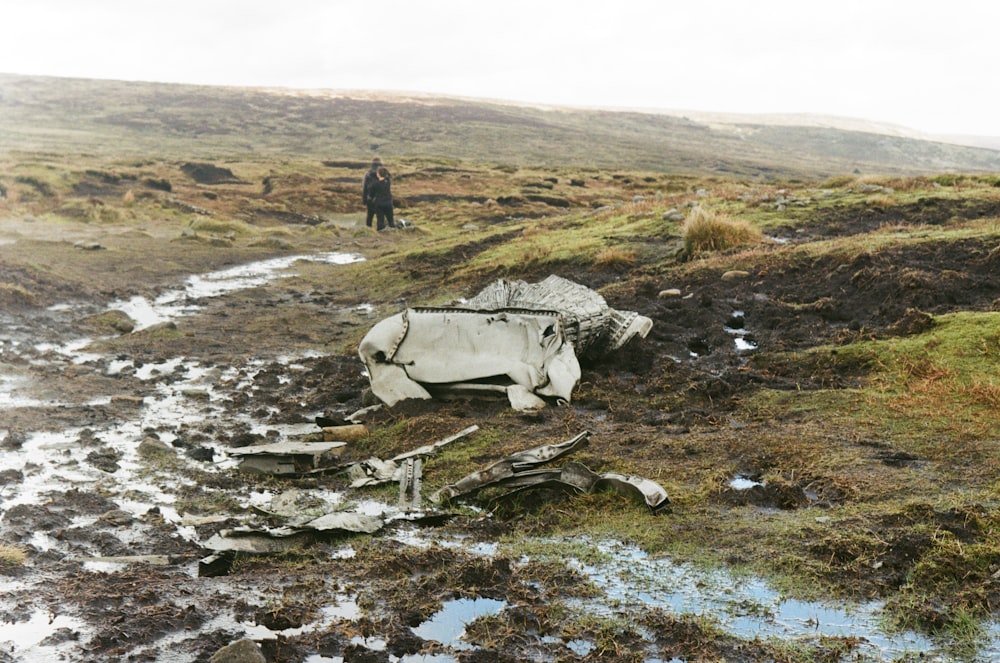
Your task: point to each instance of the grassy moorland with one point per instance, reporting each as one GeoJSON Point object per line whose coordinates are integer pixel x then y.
{"type": "Point", "coordinates": [119, 119]}
{"type": "Point", "coordinates": [865, 408]}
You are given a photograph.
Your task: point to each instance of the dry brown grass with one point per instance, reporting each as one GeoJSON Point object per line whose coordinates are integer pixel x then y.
{"type": "Point", "coordinates": [11, 556]}
{"type": "Point", "coordinates": [983, 393]}
{"type": "Point", "coordinates": [706, 231]}
{"type": "Point", "coordinates": [880, 201]}
{"type": "Point", "coordinates": [616, 257]}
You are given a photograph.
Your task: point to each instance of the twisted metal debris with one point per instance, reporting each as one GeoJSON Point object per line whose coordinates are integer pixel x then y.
{"type": "Point", "coordinates": [515, 339]}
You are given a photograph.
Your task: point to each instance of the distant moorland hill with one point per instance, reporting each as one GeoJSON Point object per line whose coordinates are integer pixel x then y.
{"type": "Point", "coordinates": [155, 119]}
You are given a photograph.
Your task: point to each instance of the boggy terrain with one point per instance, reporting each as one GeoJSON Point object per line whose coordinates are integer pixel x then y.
{"type": "Point", "coordinates": [818, 404]}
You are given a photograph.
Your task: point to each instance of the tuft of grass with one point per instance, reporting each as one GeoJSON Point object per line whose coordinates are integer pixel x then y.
{"type": "Point", "coordinates": [13, 294]}
{"type": "Point", "coordinates": [880, 201]}
{"type": "Point", "coordinates": [615, 257]}
{"type": "Point", "coordinates": [222, 227]}
{"type": "Point", "coordinates": [707, 231]}
{"type": "Point", "coordinates": [11, 556]}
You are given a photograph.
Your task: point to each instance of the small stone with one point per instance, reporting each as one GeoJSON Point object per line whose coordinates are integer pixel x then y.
{"type": "Point", "coordinates": [153, 448]}
{"type": "Point", "coordinates": [116, 517]}
{"type": "Point", "coordinates": [241, 651]}
{"type": "Point", "coordinates": [735, 274]}
{"type": "Point", "coordinates": [88, 246]}
{"type": "Point", "coordinates": [669, 292]}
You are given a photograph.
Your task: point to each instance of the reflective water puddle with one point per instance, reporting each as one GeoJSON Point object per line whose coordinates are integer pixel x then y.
{"type": "Point", "coordinates": [745, 607]}
{"type": "Point", "coordinates": [447, 626]}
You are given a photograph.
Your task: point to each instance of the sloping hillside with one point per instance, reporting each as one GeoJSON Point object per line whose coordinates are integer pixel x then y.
{"type": "Point", "coordinates": [39, 113]}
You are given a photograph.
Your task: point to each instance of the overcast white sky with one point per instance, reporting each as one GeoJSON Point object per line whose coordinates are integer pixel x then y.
{"type": "Point", "coordinates": [923, 65]}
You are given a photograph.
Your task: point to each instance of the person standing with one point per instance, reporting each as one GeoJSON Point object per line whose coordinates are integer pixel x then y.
{"type": "Point", "coordinates": [367, 194]}
{"type": "Point", "coordinates": [382, 198]}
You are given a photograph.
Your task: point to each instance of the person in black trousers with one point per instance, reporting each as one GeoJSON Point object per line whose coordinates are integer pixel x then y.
{"type": "Point", "coordinates": [366, 190]}
{"type": "Point", "coordinates": [381, 198]}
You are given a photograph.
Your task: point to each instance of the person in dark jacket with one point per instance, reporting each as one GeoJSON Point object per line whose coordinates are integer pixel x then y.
{"type": "Point", "coordinates": [381, 197]}
{"type": "Point", "coordinates": [366, 190]}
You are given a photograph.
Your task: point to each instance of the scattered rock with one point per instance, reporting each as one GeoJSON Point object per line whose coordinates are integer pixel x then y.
{"type": "Point", "coordinates": [88, 246]}
{"type": "Point", "coordinates": [124, 399]}
{"type": "Point", "coordinates": [11, 477]}
{"type": "Point", "coordinates": [113, 320]}
{"type": "Point", "coordinates": [202, 454]}
{"type": "Point", "coordinates": [59, 636]}
{"type": "Point", "coordinates": [206, 173]}
{"type": "Point", "coordinates": [105, 459]}
{"type": "Point", "coordinates": [153, 448]}
{"type": "Point", "coordinates": [162, 326]}
{"type": "Point", "coordinates": [669, 293]}
{"type": "Point", "coordinates": [116, 517]}
{"type": "Point", "coordinates": [241, 651]}
{"type": "Point", "coordinates": [358, 653]}
{"type": "Point", "coordinates": [735, 274]}
{"type": "Point", "coordinates": [273, 243]}
{"type": "Point", "coordinates": [913, 322]}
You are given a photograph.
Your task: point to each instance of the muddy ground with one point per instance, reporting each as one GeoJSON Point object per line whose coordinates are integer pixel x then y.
{"type": "Point", "coordinates": [667, 407]}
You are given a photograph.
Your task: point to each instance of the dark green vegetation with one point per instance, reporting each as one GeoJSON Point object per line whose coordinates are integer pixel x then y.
{"type": "Point", "coordinates": [867, 411]}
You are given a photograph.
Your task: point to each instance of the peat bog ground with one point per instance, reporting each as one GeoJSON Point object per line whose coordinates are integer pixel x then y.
{"type": "Point", "coordinates": [820, 406]}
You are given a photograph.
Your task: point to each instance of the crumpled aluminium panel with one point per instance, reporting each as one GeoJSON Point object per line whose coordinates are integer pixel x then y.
{"type": "Point", "coordinates": [519, 473]}
{"type": "Point", "coordinates": [589, 323]}
{"type": "Point", "coordinates": [513, 338]}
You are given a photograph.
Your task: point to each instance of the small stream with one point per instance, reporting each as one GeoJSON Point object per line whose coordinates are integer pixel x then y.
{"type": "Point", "coordinates": [187, 392]}
{"type": "Point", "coordinates": [183, 301]}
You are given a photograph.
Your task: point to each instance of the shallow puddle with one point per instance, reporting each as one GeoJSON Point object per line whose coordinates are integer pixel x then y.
{"type": "Point", "coordinates": [447, 626]}
{"type": "Point", "coordinates": [745, 607]}
{"type": "Point", "coordinates": [37, 638]}
{"type": "Point", "coordinates": [742, 337]}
